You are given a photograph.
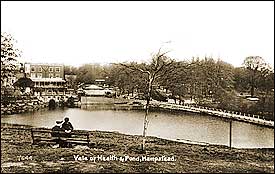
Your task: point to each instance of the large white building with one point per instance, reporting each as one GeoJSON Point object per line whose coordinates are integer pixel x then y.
{"type": "Point", "coordinates": [49, 80]}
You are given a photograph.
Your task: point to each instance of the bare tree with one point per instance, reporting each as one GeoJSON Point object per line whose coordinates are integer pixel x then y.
{"type": "Point", "coordinates": [254, 64]}
{"type": "Point", "coordinates": [158, 66]}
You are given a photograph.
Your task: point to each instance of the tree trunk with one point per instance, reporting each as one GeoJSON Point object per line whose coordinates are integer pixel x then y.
{"type": "Point", "coordinates": [145, 126]}
{"type": "Point", "coordinates": [252, 84]}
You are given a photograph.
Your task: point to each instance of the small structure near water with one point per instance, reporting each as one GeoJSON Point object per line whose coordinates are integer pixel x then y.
{"type": "Point", "coordinates": [96, 91]}
{"type": "Point", "coordinates": [52, 104]}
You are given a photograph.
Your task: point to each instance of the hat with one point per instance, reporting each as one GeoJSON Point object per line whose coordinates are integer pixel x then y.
{"type": "Point", "coordinates": [58, 122]}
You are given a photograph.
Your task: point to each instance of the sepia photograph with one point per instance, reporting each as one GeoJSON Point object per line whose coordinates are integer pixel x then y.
{"type": "Point", "coordinates": [137, 87]}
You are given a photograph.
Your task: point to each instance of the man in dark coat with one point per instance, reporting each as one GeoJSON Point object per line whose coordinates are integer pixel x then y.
{"type": "Point", "coordinates": [67, 126]}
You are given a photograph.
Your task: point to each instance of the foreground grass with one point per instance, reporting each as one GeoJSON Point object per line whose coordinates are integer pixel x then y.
{"type": "Point", "coordinates": [190, 158]}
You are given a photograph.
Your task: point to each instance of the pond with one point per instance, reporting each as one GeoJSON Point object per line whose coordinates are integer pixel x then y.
{"type": "Point", "coordinates": [188, 127]}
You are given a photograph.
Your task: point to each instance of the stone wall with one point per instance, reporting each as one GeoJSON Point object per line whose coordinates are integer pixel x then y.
{"type": "Point", "coordinates": [104, 103]}
{"type": "Point", "coordinates": [22, 105]}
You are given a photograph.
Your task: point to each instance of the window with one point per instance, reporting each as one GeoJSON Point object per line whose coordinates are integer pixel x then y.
{"type": "Point", "coordinates": [57, 75]}
{"type": "Point", "coordinates": [32, 69]}
{"type": "Point", "coordinates": [57, 69]}
{"type": "Point", "coordinates": [51, 69]}
{"type": "Point", "coordinates": [32, 75]}
{"type": "Point", "coordinates": [39, 75]}
{"type": "Point", "coordinates": [51, 75]}
{"type": "Point", "coordinates": [40, 69]}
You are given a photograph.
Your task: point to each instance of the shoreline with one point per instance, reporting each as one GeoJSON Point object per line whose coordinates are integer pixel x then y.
{"type": "Point", "coordinates": [16, 143]}
{"type": "Point", "coordinates": [104, 103]}
{"type": "Point", "coordinates": [23, 105]}
{"type": "Point", "coordinates": [133, 104]}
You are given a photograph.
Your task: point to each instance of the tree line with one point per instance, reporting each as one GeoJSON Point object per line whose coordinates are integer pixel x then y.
{"type": "Point", "coordinates": [208, 81]}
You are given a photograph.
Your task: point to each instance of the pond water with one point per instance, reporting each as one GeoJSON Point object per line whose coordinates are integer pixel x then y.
{"type": "Point", "coordinates": [188, 127]}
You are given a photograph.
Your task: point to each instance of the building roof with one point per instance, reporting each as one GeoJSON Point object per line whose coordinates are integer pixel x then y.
{"type": "Point", "coordinates": [48, 64]}
{"type": "Point", "coordinates": [47, 80]}
{"type": "Point", "coordinates": [93, 87]}
{"type": "Point", "coordinates": [253, 99]}
{"type": "Point", "coordinates": [100, 80]}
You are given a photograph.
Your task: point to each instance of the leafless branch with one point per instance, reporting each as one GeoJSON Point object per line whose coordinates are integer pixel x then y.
{"type": "Point", "coordinates": [134, 68]}
{"type": "Point", "coordinates": [166, 71]}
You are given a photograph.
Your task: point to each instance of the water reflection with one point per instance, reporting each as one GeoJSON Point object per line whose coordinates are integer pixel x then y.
{"type": "Point", "coordinates": [166, 125]}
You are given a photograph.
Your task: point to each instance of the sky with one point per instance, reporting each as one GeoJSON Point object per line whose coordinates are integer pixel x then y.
{"type": "Point", "coordinates": [75, 33]}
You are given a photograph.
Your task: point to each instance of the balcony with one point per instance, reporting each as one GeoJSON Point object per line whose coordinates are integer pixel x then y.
{"type": "Point", "coordinates": [52, 93]}
{"type": "Point", "coordinates": [49, 86]}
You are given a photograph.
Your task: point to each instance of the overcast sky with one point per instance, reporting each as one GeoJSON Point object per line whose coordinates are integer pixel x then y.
{"type": "Point", "coordinates": [75, 33]}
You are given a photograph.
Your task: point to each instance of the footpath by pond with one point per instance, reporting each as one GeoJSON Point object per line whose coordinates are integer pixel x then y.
{"type": "Point", "coordinates": [115, 152]}
{"type": "Point", "coordinates": [131, 104]}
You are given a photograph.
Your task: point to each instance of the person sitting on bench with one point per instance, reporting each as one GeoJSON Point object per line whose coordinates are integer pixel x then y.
{"type": "Point", "coordinates": [67, 126]}
{"type": "Point", "coordinates": [56, 133]}
{"type": "Point", "coordinates": [57, 127]}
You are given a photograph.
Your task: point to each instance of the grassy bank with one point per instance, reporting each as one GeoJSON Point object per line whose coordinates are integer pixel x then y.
{"type": "Point", "coordinates": [18, 155]}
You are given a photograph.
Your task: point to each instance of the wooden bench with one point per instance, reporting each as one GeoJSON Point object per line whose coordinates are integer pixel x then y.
{"type": "Point", "coordinates": [45, 136]}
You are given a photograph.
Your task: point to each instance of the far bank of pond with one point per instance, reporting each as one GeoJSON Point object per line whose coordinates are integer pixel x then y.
{"type": "Point", "coordinates": [22, 105]}
{"type": "Point", "coordinates": [95, 103]}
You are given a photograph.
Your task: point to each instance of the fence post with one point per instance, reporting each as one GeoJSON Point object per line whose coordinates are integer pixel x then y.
{"type": "Point", "coordinates": [32, 137]}
{"type": "Point", "coordinates": [230, 133]}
